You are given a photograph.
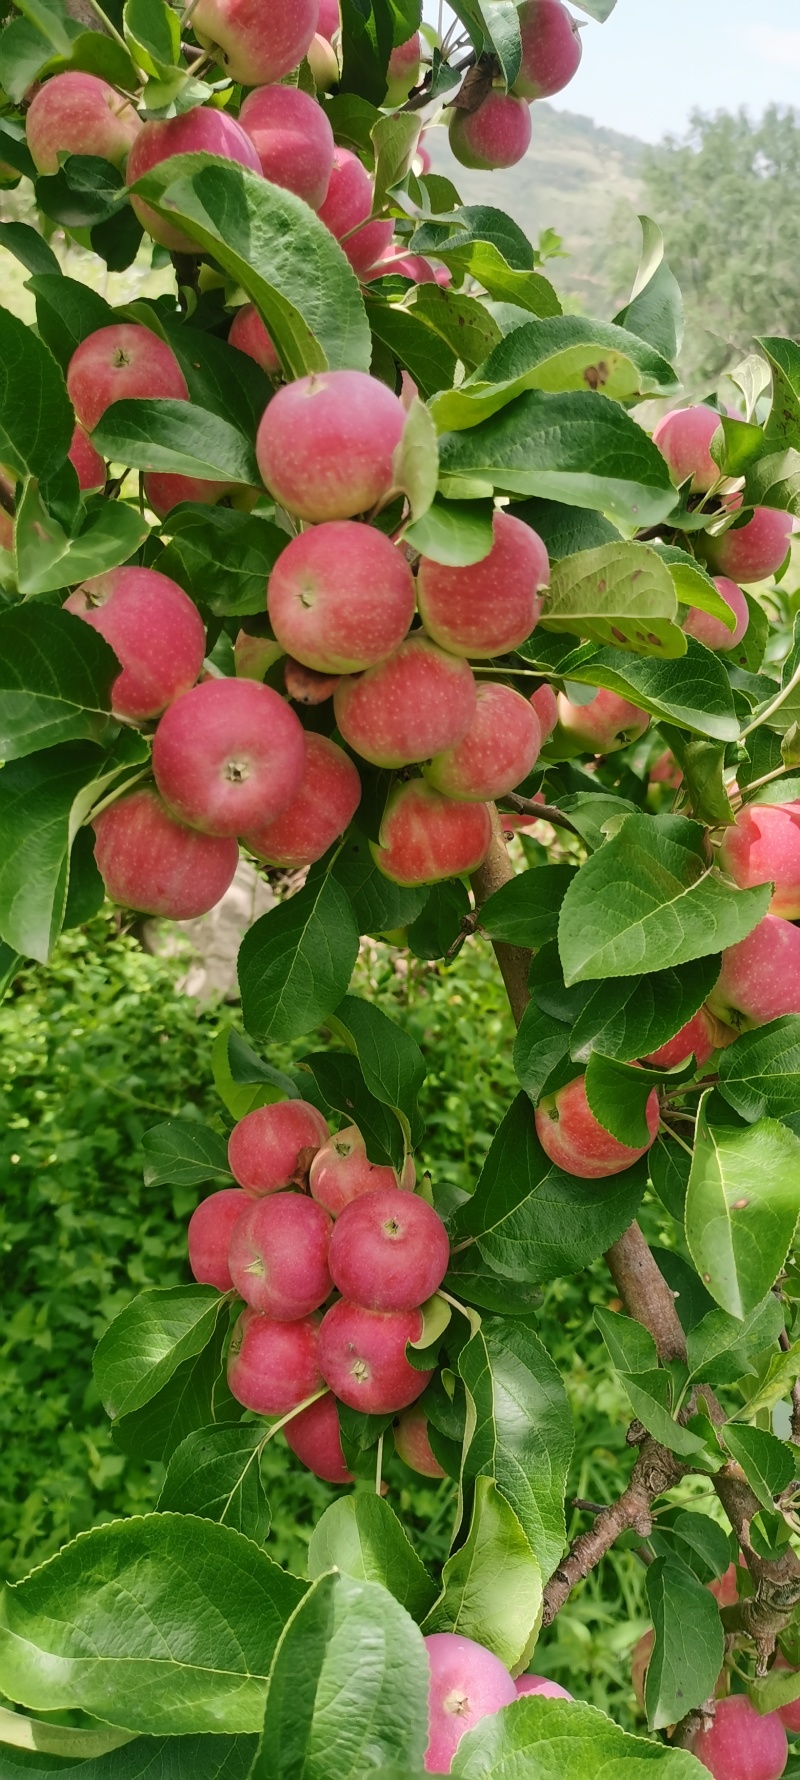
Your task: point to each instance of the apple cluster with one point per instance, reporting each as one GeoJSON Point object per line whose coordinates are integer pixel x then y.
{"type": "Point", "coordinates": [468, 1683]}
{"type": "Point", "coordinates": [497, 131]}
{"type": "Point", "coordinates": [334, 1257]}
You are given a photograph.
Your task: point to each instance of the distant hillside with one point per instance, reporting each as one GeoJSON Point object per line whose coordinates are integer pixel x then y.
{"type": "Point", "coordinates": [574, 178]}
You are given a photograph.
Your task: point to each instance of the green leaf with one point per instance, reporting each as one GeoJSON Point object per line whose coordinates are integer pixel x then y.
{"type": "Point", "coordinates": [429, 360]}
{"type": "Point", "coordinates": [453, 532]}
{"type": "Point", "coordinates": [618, 1094]}
{"type": "Point", "coordinates": [93, 1629]}
{"type": "Point", "coordinates": [565, 352]}
{"type": "Point", "coordinates": [36, 418]}
{"type": "Point", "coordinates": [153, 34]}
{"type": "Point", "coordinates": [564, 1740]}
{"type": "Point", "coordinates": [577, 448]}
{"type": "Point", "coordinates": [216, 1474]}
{"type": "Point", "coordinates": [67, 312]}
{"type": "Point", "coordinates": [694, 691]}
{"type": "Point", "coordinates": [277, 249]}
{"type": "Point", "coordinates": [48, 559]}
{"type": "Point", "coordinates": [741, 1208]}
{"type": "Point", "coordinates": [565, 530]}
{"type": "Point", "coordinates": [395, 141]}
{"type": "Point", "coordinates": [348, 1687]}
{"type": "Point", "coordinates": [184, 1153]}
{"type": "Point", "coordinates": [520, 1429]}
{"type": "Point", "coordinates": [760, 1074]}
{"type": "Point", "coordinates": [416, 460]}
{"type": "Point", "coordinates": [177, 437]}
{"type": "Point", "coordinates": [631, 1346]}
{"type": "Point", "coordinates": [767, 1464]}
{"type": "Point", "coordinates": [530, 1221]}
{"type": "Point", "coordinates": [195, 1395]}
{"type": "Point", "coordinates": [689, 1643]}
{"type": "Point", "coordinates": [782, 429]}
{"type": "Point", "coordinates": [722, 1349]}
{"type": "Point", "coordinates": [463, 323]}
{"type": "Point", "coordinates": [525, 911]}
{"type": "Point", "coordinates": [361, 1536]}
{"type": "Point", "coordinates": [651, 1400]}
{"type": "Point", "coordinates": [242, 1080]}
{"type": "Point", "coordinates": [630, 1017]}
{"type": "Point", "coordinates": [693, 584]}
{"type": "Point", "coordinates": [484, 261]}
{"type": "Point", "coordinates": [621, 593]}
{"type": "Point", "coordinates": [433, 932]}
{"type": "Point", "coordinates": [694, 1537]}
{"type": "Point", "coordinates": [27, 245]}
{"type": "Point", "coordinates": [541, 1045]}
{"type": "Point", "coordinates": [648, 901]}
{"type": "Point", "coordinates": [492, 1585]}
{"type": "Point", "coordinates": [149, 1339]}
{"type": "Point", "coordinates": [56, 675]}
{"type": "Point", "coordinates": [19, 1732]}
{"type": "Point", "coordinates": [392, 1064]}
{"type": "Point", "coordinates": [781, 1373]}
{"type": "Point", "coordinates": [141, 1758]}
{"type": "Point", "coordinates": [655, 311]}
{"type": "Point", "coordinates": [339, 1078]}
{"type": "Point", "coordinates": [378, 905]}
{"type": "Point", "coordinates": [775, 482]}
{"type": "Point", "coordinates": [218, 377]}
{"type": "Point", "coordinates": [85, 192]}
{"type": "Point", "coordinates": [295, 963]}
{"type": "Point", "coordinates": [222, 558]}
{"type": "Point", "coordinates": [43, 801]}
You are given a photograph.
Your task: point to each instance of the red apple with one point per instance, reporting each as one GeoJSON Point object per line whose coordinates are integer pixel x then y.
{"type": "Point", "coordinates": [87, 463]}
{"type": "Point", "coordinates": [497, 134]}
{"type": "Point", "coordinates": [329, 20]}
{"type": "Point", "coordinates": [120, 362]}
{"type": "Point", "coordinates": [605, 724]}
{"type": "Point", "coordinates": [545, 705]}
{"type": "Point", "coordinates": [710, 630]}
{"type": "Point", "coordinates": [341, 597]}
{"type": "Point", "coordinates": [273, 1367]}
{"type": "Point", "coordinates": [272, 1147]}
{"type": "Point", "coordinates": [326, 444]}
{"type": "Point", "coordinates": [78, 114]}
{"type": "Point", "coordinates": [278, 1256]}
{"type": "Point", "coordinates": [229, 756]}
{"type": "Point", "coordinates": [498, 751]}
{"type": "Point", "coordinates": [341, 1171]}
{"type": "Point", "coordinates": [763, 847]}
{"type": "Point", "coordinates": [314, 1436]}
{"type": "Point", "coordinates": [697, 1038]}
{"type": "Point", "coordinates": [347, 210]}
{"type": "Point", "coordinates": [740, 1744]}
{"type": "Point", "coordinates": [209, 1235]}
{"type": "Point", "coordinates": [467, 1684]}
{"type": "Point", "coordinates": [305, 685]}
{"type": "Point", "coordinates": [203, 130]}
{"type": "Point", "coordinates": [760, 977]}
{"type": "Point", "coordinates": [254, 42]}
{"type": "Point", "coordinates": [575, 1140]}
{"type": "Point", "coordinates": [248, 334]}
{"type": "Point", "coordinates": [292, 138]}
{"type": "Point", "coordinates": [753, 551]}
{"type": "Point", "coordinates": [156, 865]}
{"type": "Point", "coordinates": [551, 49]}
{"type": "Point", "coordinates": [490, 607]}
{"type": "Point", "coordinates": [324, 806]}
{"type": "Point", "coordinates": [163, 490]}
{"type": "Point", "coordinates": [156, 633]}
{"type": "Point", "coordinates": [413, 1445]}
{"type": "Point", "coordinates": [362, 1357]}
{"type": "Point", "coordinates": [683, 438]}
{"type": "Point", "coordinates": [403, 71]}
{"type": "Point", "coordinates": [417, 702]}
{"type": "Point", "coordinates": [426, 837]}
{"type": "Point", "coordinates": [541, 1687]}
{"type": "Point", "coordinates": [388, 1250]}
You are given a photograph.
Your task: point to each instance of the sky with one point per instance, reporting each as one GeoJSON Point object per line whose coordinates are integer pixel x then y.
{"type": "Point", "coordinates": [655, 61]}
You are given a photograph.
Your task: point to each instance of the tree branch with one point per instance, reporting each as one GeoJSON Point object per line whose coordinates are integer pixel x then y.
{"type": "Point", "coordinates": [655, 1471]}
{"type": "Point", "coordinates": [514, 961]}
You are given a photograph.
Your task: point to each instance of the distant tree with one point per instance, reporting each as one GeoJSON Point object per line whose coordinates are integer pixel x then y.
{"type": "Point", "coordinates": [726, 199]}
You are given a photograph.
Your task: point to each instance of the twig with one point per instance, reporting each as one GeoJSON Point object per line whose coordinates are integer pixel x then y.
{"type": "Point", "coordinates": [514, 961]}
{"type": "Point", "coordinates": [544, 812]}
{"type": "Point", "coordinates": [655, 1471]}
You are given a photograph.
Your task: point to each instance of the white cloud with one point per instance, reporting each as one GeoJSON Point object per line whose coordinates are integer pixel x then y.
{"type": "Point", "coordinates": [773, 45]}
